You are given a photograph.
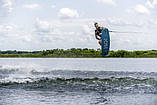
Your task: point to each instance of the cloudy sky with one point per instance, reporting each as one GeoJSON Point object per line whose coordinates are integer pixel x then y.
{"type": "Point", "coordinates": [49, 24]}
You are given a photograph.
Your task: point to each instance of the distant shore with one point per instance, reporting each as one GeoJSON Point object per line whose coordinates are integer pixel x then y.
{"type": "Point", "coordinates": [77, 53]}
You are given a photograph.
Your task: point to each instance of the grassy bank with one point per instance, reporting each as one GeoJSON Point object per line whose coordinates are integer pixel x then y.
{"type": "Point", "coordinates": [79, 53]}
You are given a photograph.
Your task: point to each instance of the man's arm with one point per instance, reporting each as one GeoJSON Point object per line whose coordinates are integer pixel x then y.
{"type": "Point", "coordinates": [100, 34]}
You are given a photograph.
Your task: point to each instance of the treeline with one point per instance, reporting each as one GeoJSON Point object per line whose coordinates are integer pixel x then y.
{"type": "Point", "coordinates": [78, 53]}
{"type": "Point", "coordinates": [18, 52]}
{"type": "Point", "coordinates": [133, 54]}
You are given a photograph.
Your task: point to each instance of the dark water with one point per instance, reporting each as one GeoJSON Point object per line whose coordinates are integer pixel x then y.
{"type": "Point", "coordinates": [78, 81]}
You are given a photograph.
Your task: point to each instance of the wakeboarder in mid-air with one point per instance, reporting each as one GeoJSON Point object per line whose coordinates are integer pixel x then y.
{"type": "Point", "coordinates": [103, 37]}
{"type": "Point", "coordinates": [98, 32]}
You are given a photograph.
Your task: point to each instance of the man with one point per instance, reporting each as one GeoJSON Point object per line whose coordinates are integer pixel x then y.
{"type": "Point", "coordinates": [98, 32]}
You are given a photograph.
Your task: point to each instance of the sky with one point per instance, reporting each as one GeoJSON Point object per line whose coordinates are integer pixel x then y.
{"type": "Point", "coordinates": [64, 24]}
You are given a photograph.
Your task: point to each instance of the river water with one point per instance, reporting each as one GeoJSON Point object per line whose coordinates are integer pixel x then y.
{"type": "Point", "coordinates": [78, 81]}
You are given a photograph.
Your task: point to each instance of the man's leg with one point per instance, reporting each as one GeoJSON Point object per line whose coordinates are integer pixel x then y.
{"type": "Point", "coordinates": [100, 42]}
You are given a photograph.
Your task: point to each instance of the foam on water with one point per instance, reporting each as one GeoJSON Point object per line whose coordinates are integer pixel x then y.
{"type": "Point", "coordinates": [27, 77]}
{"type": "Point", "coordinates": [78, 81]}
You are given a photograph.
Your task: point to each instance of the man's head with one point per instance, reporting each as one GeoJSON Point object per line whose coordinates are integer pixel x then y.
{"type": "Point", "coordinates": [96, 25]}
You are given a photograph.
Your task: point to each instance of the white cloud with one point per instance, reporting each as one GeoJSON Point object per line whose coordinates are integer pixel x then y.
{"type": "Point", "coordinates": [87, 32]}
{"type": "Point", "coordinates": [43, 26]}
{"type": "Point", "coordinates": [67, 13]}
{"type": "Point", "coordinates": [26, 38]}
{"type": "Point", "coordinates": [6, 7]}
{"type": "Point", "coordinates": [70, 34]}
{"type": "Point", "coordinates": [145, 8]}
{"type": "Point", "coordinates": [53, 6]}
{"type": "Point", "coordinates": [110, 2]}
{"type": "Point", "coordinates": [154, 2]}
{"type": "Point", "coordinates": [86, 29]}
{"type": "Point", "coordinates": [6, 29]}
{"type": "Point", "coordinates": [142, 9]}
{"type": "Point", "coordinates": [31, 6]}
{"type": "Point", "coordinates": [149, 4]}
{"type": "Point", "coordinates": [116, 21]}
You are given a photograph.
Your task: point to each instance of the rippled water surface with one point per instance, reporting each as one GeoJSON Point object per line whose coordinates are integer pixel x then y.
{"type": "Point", "coordinates": [79, 81]}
